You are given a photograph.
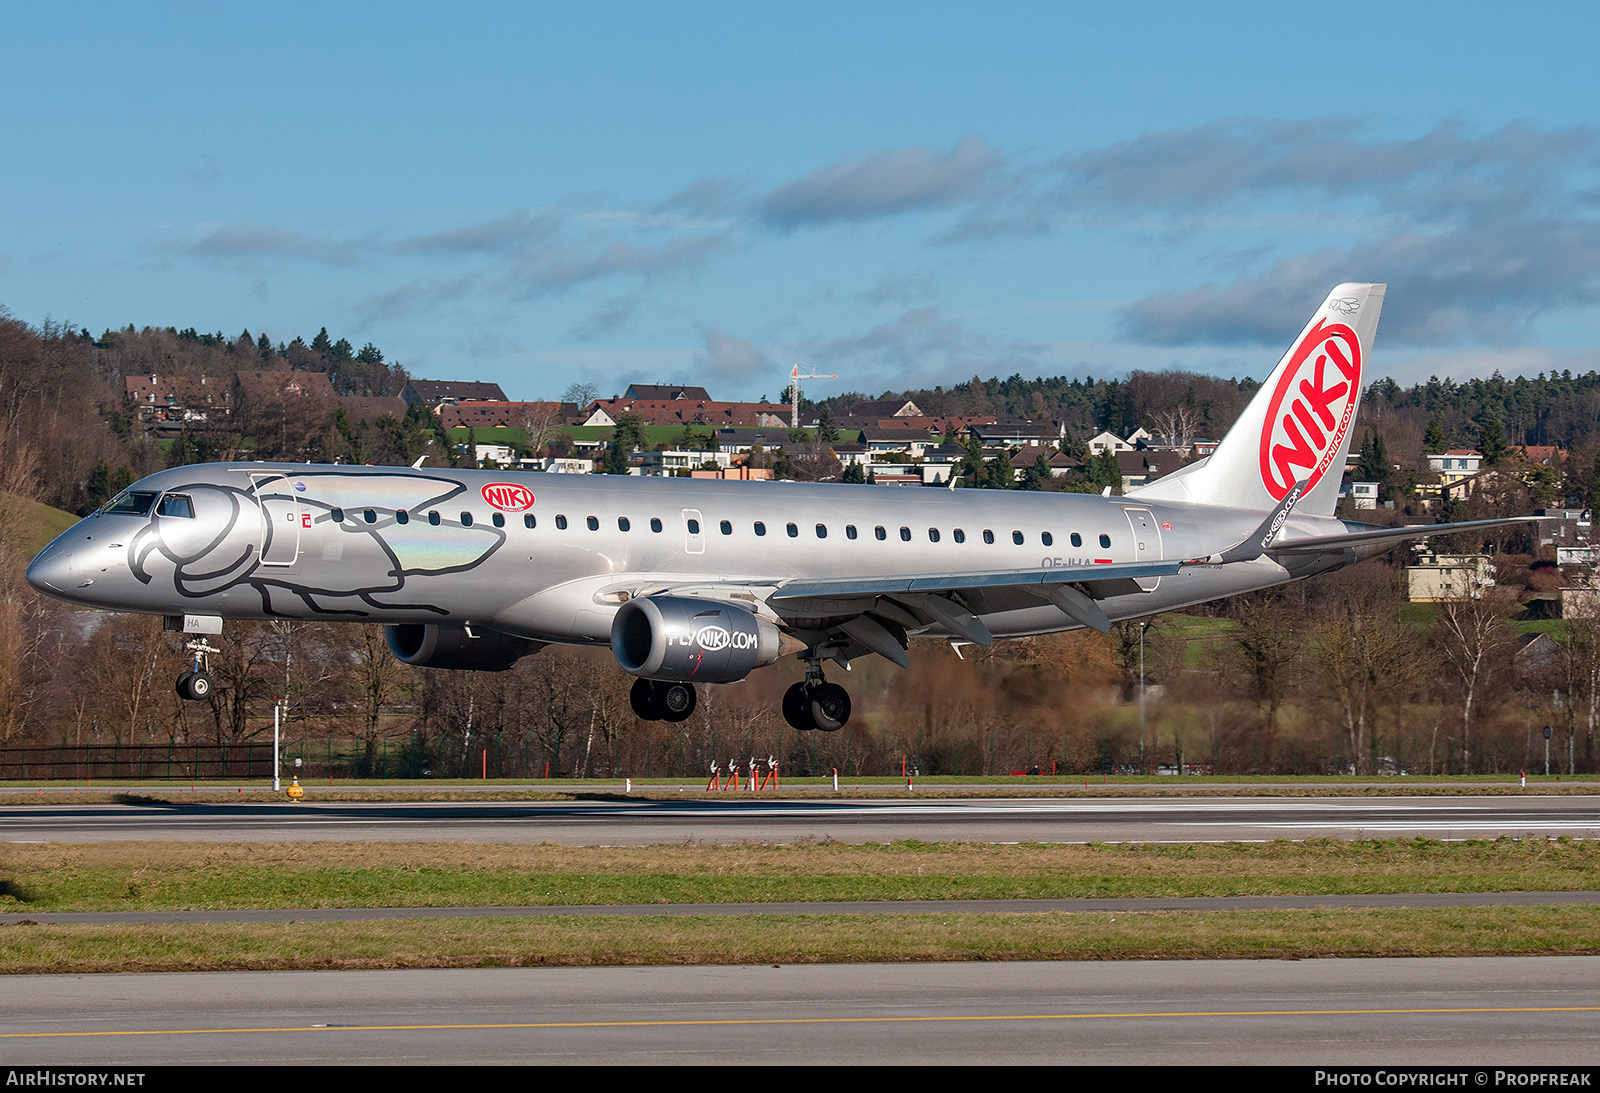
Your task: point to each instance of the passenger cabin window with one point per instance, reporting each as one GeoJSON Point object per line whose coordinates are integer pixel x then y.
{"type": "Point", "coordinates": [176, 504]}
{"type": "Point", "coordinates": [401, 516]}
{"type": "Point", "coordinates": [879, 534]}
{"type": "Point", "coordinates": [794, 532]}
{"type": "Point", "coordinates": [727, 527]}
{"type": "Point", "coordinates": [1047, 539]}
{"type": "Point", "coordinates": [499, 519]}
{"type": "Point", "coordinates": [1077, 540]}
{"type": "Point", "coordinates": [561, 522]}
{"type": "Point", "coordinates": [933, 535]}
{"type": "Point", "coordinates": [988, 536]}
{"type": "Point", "coordinates": [466, 519]}
{"type": "Point", "coordinates": [1105, 541]}
{"type": "Point", "coordinates": [337, 514]}
{"type": "Point", "coordinates": [849, 531]}
{"type": "Point", "coordinates": [623, 524]}
{"type": "Point", "coordinates": [370, 516]}
{"type": "Point", "coordinates": [761, 529]}
{"type": "Point", "coordinates": [822, 531]}
{"type": "Point", "coordinates": [433, 517]}
{"type": "Point", "coordinates": [593, 523]}
{"type": "Point", "coordinates": [528, 521]}
{"type": "Point", "coordinates": [1016, 537]}
{"type": "Point", "coordinates": [960, 536]}
{"type": "Point", "coordinates": [655, 523]}
{"type": "Point", "coordinates": [905, 535]}
{"type": "Point", "coordinates": [694, 526]}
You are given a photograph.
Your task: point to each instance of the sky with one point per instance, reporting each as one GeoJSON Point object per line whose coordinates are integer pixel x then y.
{"type": "Point", "coordinates": [904, 195]}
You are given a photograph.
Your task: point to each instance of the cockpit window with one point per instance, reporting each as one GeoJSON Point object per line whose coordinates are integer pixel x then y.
{"type": "Point", "coordinates": [176, 504]}
{"type": "Point", "coordinates": [131, 503]}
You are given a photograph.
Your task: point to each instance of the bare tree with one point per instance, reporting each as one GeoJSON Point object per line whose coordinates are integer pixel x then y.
{"type": "Point", "coordinates": [542, 427]}
{"type": "Point", "coordinates": [1473, 637]}
{"type": "Point", "coordinates": [1268, 642]}
{"type": "Point", "coordinates": [1364, 650]}
{"type": "Point", "coordinates": [1177, 424]}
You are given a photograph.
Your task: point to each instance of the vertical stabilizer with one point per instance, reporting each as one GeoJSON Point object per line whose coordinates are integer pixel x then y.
{"type": "Point", "coordinates": [1298, 426]}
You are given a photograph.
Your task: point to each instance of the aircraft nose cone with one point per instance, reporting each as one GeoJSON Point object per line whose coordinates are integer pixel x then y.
{"type": "Point", "coordinates": [51, 571]}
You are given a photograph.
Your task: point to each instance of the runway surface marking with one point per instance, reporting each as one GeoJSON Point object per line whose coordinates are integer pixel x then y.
{"type": "Point", "coordinates": [726, 1022]}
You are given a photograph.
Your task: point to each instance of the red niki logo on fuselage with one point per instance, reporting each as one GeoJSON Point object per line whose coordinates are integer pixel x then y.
{"type": "Point", "coordinates": [1311, 408]}
{"type": "Point", "coordinates": [508, 497]}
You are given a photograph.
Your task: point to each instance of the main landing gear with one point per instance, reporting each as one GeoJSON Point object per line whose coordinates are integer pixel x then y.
{"type": "Point", "coordinates": [814, 703]}
{"type": "Point", "coordinates": [661, 700]}
{"type": "Point", "coordinates": [195, 683]}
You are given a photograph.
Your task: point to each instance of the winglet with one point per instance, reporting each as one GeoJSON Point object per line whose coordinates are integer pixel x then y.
{"type": "Point", "coordinates": [1256, 544]}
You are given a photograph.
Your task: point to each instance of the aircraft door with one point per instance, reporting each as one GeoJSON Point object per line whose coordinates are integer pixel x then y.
{"type": "Point", "coordinates": [694, 533]}
{"type": "Point", "coordinates": [1146, 541]}
{"type": "Point", "coordinates": [281, 519]}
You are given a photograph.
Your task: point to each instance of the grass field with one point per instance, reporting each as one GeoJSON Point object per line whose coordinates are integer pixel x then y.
{"type": "Point", "coordinates": [790, 939]}
{"type": "Point", "coordinates": [162, 876]}
{"type": "Point", "coordinates": [153, 876]}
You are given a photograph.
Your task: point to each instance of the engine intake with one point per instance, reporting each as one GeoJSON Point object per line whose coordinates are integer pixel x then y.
{"type": "Point", "coordinates": [696, 641]}
{"type": "Point", "coordinates": [434, 645]}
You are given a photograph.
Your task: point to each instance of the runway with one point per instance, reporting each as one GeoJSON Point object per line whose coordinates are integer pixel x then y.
{"type": "Point", "coordinates": [1487, 1011]}
{"type": "Point", "coordinates": [618, 822]}
{"type": "Point", "coordinates": [1478, 1012]}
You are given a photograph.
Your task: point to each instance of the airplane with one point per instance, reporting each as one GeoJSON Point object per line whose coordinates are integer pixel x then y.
{"type": "Point", "coordinates": [694, 581]}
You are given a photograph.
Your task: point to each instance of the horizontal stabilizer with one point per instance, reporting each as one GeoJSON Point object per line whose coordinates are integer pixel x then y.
{"type": "Point", "coordinates": [1322, 544]}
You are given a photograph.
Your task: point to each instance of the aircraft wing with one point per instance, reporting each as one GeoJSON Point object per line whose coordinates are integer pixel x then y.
{"type": "Point", "coordinates": [1321, 544]}
{"type": "Point", "coordinates": [858, 606]}
{"type": "Point", "coordinates": [1106, 579]}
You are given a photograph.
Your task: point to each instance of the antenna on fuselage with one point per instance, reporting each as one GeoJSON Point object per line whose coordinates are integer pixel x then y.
{"type": "Point", "coordinates": [417, 466]}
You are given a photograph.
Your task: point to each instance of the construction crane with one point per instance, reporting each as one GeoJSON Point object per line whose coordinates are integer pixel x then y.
{"type": "Point", "coordinates": [795, 376]}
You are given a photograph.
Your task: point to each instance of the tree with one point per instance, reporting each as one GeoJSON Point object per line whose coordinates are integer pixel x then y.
{"type": "Point", "coordinates": [1037, 475]}
{"type": "Point", "coordinates": [827, 432]}
{"type": "Point", "coordinates": [376, 678]}
{"type": "Point", "coordinates": [1473, 636]}
{"type": "Point", "coordinates": [1434, 442]}
{"type": "Point", "coordinates": [1363, 650]}
{"type": "Point", "coordinates": [627, 438]}
{"type": "Point", "coordinates": [1177, 424]}
{"type": "Point", "coordinates": [1374, 464]}
{"type": "Point", "coordinates": [1492, 441]}
{"type": "Point", "coordinates": [1266, 647]}
{"type": "Point", "coordinates": [1104, 472]}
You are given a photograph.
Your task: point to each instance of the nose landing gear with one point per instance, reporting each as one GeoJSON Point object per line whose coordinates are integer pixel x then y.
{"type": "Point", "coordinates": [195, 683]}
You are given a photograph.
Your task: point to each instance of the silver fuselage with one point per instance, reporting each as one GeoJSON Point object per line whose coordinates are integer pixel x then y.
{"type": "Point", "coordinates": [552, 556]}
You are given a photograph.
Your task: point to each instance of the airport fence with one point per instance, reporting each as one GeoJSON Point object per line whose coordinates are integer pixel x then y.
{"type": "Point", "coordinates": [392, 757]}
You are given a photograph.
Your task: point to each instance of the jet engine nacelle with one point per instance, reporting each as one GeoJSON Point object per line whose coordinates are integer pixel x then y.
{"type": "Point", "coordinates": [434, 645]}
{"type": "Point", "coordinates": [697, 641]}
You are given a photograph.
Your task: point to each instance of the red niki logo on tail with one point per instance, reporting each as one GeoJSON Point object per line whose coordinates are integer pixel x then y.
{"type": "Point", "coordinates": [1311, 408]}
{"type": "Point", "coordinates": [507, 496]}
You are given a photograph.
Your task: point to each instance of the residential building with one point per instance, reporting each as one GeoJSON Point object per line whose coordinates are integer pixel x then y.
{"type": "Point", "coordinates": [436, 393]}
{"type": "Point", "coordinates": [1454, 465]}
{"type": "Point", "coordinates": [665, 392]}
{"type": "Point", "coordinates": [1437, 577]}
{"type": "Point", "coordinates": [683, 411]}
{"type": "Point", "coordinates": [166, 403]}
